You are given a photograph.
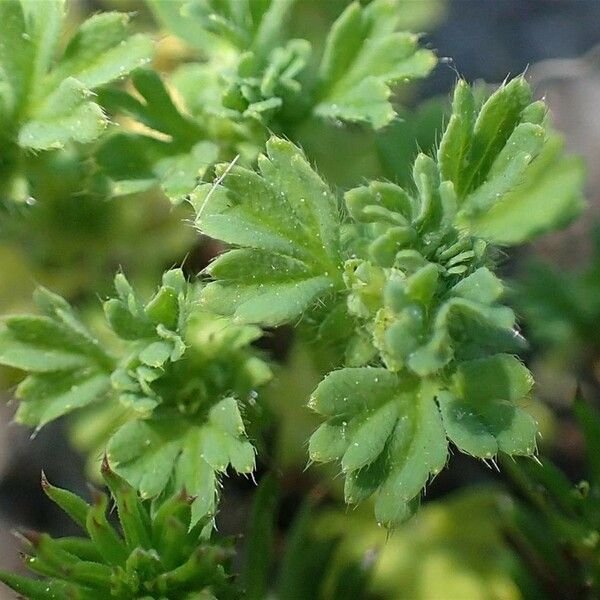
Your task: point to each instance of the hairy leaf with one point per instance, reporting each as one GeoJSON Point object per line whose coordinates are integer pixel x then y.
{"type": "Point", "coordinates": [68, 369]}
{"type": "Point", "coordinates": [507, 166]}
{"type": "Point", "coordinates": [286, 221]}
{"type": "Point", "coordinates": [387, 432]}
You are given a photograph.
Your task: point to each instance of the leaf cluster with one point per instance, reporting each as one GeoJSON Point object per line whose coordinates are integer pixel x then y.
{"type": "Point", "coordinates": [408, 274]}
{"type": "Point", "coordinates": [156, 552]}
{"type": "Point", "coordinates": [179, 379]}
{"type": "Point", "coordinates": [47, 98]}
{"type": "Point", "coordinates": [251, 80]}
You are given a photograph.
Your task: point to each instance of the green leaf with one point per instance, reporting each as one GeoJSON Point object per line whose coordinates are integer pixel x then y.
{"type": "Point", "coordinates": [66, 114]}
{"type": "Point", "coordinates": [352, 390]}
{"type": "Point", "coordinates": [550, 196]}
{"type": "Point", "coordinates": [169, 14]}
{"type": "Point", "coordinates": [481, 286]}
{"type": "Point", "coordinates": [493, 126]}
{"type": "Point", "coordinates": [481, 415]}
{"type": "Point", "coordinates": [47, 89]}
{"type": "Point", "coordinates": [287, 219]}
{"type": "Point", "coordinates": [151, 453]}
{"type": "Point", "coordinates": [452, 155]}
{"type": "Point", "coordinates": [501, 377]}
{"type": "Point", "coordinates": [417, 450]}
{"type": "Point", "coordinates": [175, 156]}
{"type": "Point", "coordinates": [145, 452]}
{"type": "Point", "coordinates": [253, 26]}
{"type": "Point", "coordinates": [73, 505]}
{"type": "Point", "coordinates": [387, 432]}
{"type": "Point", "coordinates": [47, 95]}
{"type": "Point", "coordinates": [47, 396]}
{"type": "Point", "coordinates": [150, 548]}
{"type": "Point", "coordinates": [30, 32]}
{"type": "Point", "coordinates": [363, 56]}
{"type": "Point", "coordinates": [102, 51]}
{"type": "Point", "coordinates": [507, 167]}
{"type": "Point", "coordinates": [68, 368]}
{"type": "Point", "coordinates": [486, 428]}
{"type": "Point", "coordinates": [328, 442]}
{"type": "Point", "coordinates": [369, 437]}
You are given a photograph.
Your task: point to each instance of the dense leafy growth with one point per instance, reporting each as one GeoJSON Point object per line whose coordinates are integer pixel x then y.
{"type": "Point", "coordinates": [157, 552]}
{"type": "Point", "coordinates": [46, 98]}
{"type": "Point", "coordinates": [252, 79]}
{"type": "Point", "coordinates": [265, 75]}
{"type": "Point", "coordinates": [181, 376]}
{"type": "Point", "coordinates": [430, 359]}
{"type": "Point", "coordinates": [392, 284]}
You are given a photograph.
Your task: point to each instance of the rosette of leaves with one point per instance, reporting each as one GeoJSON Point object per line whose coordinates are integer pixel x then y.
{"type": "Point", "coordinates": [155, 552]}
{"type": "Point", "coordinates": [277, 81]}
{"type": "Point", "coordinates": [181, 377]}
{"type": "Point", "coordinates": [429, 344]}
{"type": "Point", "coordinates": [46, 95]}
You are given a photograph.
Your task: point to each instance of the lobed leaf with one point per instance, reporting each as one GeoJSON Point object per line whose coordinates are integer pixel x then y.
{"type": "Point", "coordinates": [506, 166]}
{"type": "Point", "coordinates": [287, 220]}
{"type": "Point", "coordinates": [67, 367]}
{"type": "Point", "coordinates": [363, 57]}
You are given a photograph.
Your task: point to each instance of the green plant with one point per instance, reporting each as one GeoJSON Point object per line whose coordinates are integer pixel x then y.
{"type": "Point", "coordinates": [408, 277]}
{"type": "Point", "coordinates": [176, 387]}
{"type": "Point", "coordinates": [46, 98]}
{"type": "Point", "coordinates": [157, 552]}
{"type": "Point", "coordinates": [555, 525]}
{"type": "Point", "coordinates": [392, 289]}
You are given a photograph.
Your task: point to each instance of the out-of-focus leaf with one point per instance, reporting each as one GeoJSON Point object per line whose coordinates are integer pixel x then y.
{"type": "Point", "coordinates": [363, 56]}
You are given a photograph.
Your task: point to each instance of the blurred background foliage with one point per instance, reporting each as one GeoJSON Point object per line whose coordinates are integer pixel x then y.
{"type": "Point", "coordinates": [508, 532]}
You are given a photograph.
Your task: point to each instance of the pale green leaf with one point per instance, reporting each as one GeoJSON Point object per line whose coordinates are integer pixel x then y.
{"type": "Point", "coordinates": [388, 433]}
{"type": "Point", "coordinates": [484, 428]}
{"type": "Point", "coordinates": [145, 453]}
{"type": "Point", "coordinates": [455, 144]}
{"type": "Point", "coordinates": [329, 441]}
{"type": "Point", "coordinates": [499, 377]}
{"type": "Point", "coordinates": [481, 286]}
{"type": "Point", "coordinates": [363, 56]}
{"type": "Point", "coordinates": [67, 114]}
{"type": "Point", "coordinates": [369, 438]}
{"type": "Point", "coordinates": [47, 396]}
{"type": "Point", "coordinates": [417, 450]}
{"type": "Point", "coordinates": [196, 477]}
{"type": "Point", "coordinates": [549, 196]}
{"type": "Point", "coordinates": [68, 367]}
{"type": "Point", "coordinates": [351, 391]}
{"type": "Point", "coordinates": [102, 50]}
